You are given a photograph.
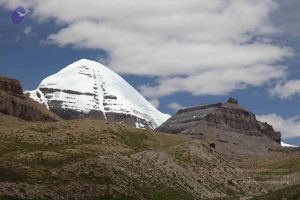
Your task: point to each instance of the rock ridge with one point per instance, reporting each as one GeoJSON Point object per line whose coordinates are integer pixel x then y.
{"type": "Point", "coordinates": [226, 116]}
{"type": "Point", "coordinates": [232, 126]}
{"type": "Point", "coordinates": [13, 102]}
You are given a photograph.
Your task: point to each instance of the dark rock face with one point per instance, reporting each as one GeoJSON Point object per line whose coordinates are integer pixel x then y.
{"type": "Point", "coordinates": [11, 86]}
{"type": "Point", "coordinates": [56, 106]}
{"type": "Point", "coordinates": [73, 114]}
{"type": "Point", "coordinates": [224, 124]}
{"type": "Point", "coordinates": [69, 114]}
{"type": "Point", "coordinates": [129, 120]}
{"type": "Point", "coordinates": [241, 121]}
{"type": "Point", "coordinates": [51, 90]}
{"type": "Point", "coordinates": [232, 100]}
{"type": "Point", "coordinates": [228, 116]}
{"type": "Point", "coordinates": [13, 102]}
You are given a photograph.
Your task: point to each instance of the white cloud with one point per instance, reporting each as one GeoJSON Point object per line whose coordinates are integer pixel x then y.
{"type": "Point", "coordinates": [215, 82]}
{"type": "Point", "coordinates": [175, 106]}
{"type": "Point", "coordinates": [27, 30]}
{"type": "Point", "coordinates": [286, 89]}
{"type": "Point", "coordinates": [154, 102]}
{"type": "Point", "coordinates": [201, 43]}
{"type": "Point", "coordinates": [289, 128]}
{"type": "Point", "coordinates": [287, 145]}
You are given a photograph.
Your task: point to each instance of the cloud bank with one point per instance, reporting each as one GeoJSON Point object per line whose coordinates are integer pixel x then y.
{"type": "Point", "coordinates": [175, 106]}
{"type": "Point", "coordinates": [286, 89]}
{"type": "Point", "coordinates": [203, 47]}
{"type": "Point", "coordinates": [289, 128]}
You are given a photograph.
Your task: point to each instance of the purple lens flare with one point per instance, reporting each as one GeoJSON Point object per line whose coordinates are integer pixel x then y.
{"type": "Point", "coordinates": [18, 15]}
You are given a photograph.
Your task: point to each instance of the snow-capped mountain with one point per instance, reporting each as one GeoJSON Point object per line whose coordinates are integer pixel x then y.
{"type": "Point", "coordinates": [288, 145]}
{"type": "Point", "coordinates": [88, 89]}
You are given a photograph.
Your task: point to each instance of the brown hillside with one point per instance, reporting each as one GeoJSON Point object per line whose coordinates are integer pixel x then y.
{"type": "Point", "coordinates": [13, 102]}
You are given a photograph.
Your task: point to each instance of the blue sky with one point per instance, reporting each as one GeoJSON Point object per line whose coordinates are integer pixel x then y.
{"type": "Point", "coordinates": [47, 41]}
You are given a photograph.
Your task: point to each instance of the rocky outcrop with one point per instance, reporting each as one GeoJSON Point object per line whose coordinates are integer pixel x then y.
{"type": "Point", "coordinates": [11, 86]}
{"type": "Point", "coordinates": [13, 102]}
{"type": "Point", "coordinates": [224, 122]}
{"type": "Point", "coordinates": [228, 116]}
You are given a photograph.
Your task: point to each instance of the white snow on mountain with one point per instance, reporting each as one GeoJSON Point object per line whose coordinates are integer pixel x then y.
{"type": "Point", "coordinates": [287, 145]}
{"type": "Point", "coordinates": [38, 96]}
{"type": "Point", "coordinates": [88, 85]}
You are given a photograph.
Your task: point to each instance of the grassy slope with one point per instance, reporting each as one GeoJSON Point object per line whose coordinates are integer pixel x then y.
{"type": "Point", "coordinates": [277, 167]}
{"type": "Point", "coordinates": [95, 160]}
{"type": "Point", "coordinates": [36, 152]}
{"type": "Point", "coordinates": [278, 172]}
{"type": "Point", "coordinates": [290, 193]}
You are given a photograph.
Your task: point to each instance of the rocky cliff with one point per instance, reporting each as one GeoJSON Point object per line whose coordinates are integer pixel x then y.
{"type": "Point", "coordinates": [11, 86]}
{"type": "Point", "coordinates": [13, 102]}
{"type": "Point", "coordinates": [226, 123]}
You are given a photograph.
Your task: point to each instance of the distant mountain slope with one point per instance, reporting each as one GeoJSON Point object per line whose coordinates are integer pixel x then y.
{"type": "Point", "coordinates": [231, 128]}
{"type": "Point", "coordinates": [14, 102]}
{"type": "Point", "coordinates": [87, 89]}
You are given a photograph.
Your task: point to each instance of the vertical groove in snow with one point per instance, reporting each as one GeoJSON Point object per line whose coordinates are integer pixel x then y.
{"type": "Point", "coordinates": [99, 84]}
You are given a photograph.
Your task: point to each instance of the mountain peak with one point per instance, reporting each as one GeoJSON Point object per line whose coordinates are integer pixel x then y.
{"type": "Point", "coordinates": [87, 62]}
{"type": "Point", "coordinates": [88, 89]}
